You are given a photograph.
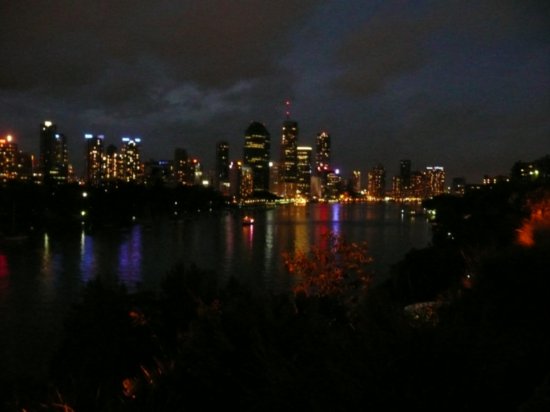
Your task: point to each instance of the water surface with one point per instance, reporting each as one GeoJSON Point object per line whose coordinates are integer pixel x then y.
{"type": "Point", "coordinates": [41, 277]}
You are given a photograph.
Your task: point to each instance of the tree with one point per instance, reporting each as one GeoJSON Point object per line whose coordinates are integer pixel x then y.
{"type": "Point", "coordinates": [337, 269]}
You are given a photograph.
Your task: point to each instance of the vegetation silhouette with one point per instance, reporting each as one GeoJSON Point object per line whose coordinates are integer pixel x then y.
{"type": "Point", "coordinates": [336, 341]}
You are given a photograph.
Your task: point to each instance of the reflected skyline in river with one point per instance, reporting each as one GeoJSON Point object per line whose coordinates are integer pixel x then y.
{"type": "Point", "coordinates": [42, 277]}
{"type": "Point", "coordinates": [143, 253]}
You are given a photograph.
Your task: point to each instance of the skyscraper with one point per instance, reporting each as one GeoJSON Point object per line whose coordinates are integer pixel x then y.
{"type": "Point", "coordinates": [405, 173]}
{"type": "Point", "coordinates": [111, 164]}
{"type": "Point", "coordinates": [222, 161]}
{"type": "Point", "coordinates": [54, 156]}
{"type": "Point", "coordinates": [303, 182]}
{"type": "Point", "coordinates": [131, 162]}
{"type": "Point", "coordinates": [322, 153]}
{"type": "Point", "coordinates": [257, 146]}
{"type": "Point", "coordinates": [222, 167]}
{"type": "Point", "coordinates": [377, 183]}
{"type": "Point", "coordinates": [434, 181]}
{"type": "Point", "coordinates": [289, 157]}
{"type": "Point", "coordinates": [8, 159]}
{"type": "Point", "coordinates": [355, 182]}
{"type": "Point", "coordinates": [181, 167]}
{"type": "Point", "coordinates": [94, 159]}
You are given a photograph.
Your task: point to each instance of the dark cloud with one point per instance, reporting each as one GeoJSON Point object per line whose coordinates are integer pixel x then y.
{"type": "Point", "coordinates": [156, 67]}
{"type": "Point", "coordinates": [61, 44]}
{"type": "Point", "coordinates": [401, 38]}
{"type": "Point", "coordinates": [428, 80]}
{"type": "Point", "coordinates": [384, 48]}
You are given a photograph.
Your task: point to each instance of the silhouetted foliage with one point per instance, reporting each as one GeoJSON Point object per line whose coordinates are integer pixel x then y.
{"type": "Point", "coordinates": [199, 344]}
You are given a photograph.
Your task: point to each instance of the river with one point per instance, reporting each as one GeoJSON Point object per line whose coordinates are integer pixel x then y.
{"type": "Point", "coordinates": [42, 276]}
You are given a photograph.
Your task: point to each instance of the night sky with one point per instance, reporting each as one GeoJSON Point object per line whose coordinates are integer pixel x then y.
{"type": "Point", "coordinates": [462, 84]}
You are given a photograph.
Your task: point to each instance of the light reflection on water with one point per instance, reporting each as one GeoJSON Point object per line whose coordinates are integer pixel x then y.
{"type": "Point", "coordinates": [219, 242]}
{"type": "Point", "coordinates": [4, 276]}
{"type": "Point", "coordinates": [87, 257]}
{"type": "Point", "coordinates": [40, 279]}
{"type": "Point", "coordinates": [130, 256]}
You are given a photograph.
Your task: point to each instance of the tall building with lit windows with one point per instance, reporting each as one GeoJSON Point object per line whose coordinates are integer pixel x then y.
{"type": "Point", "coordinates": [181, 165]}
{"type": "Point", "coordinates": [246, 183]}
{"type": "Point", "coordinates": [303, 183]}
{"type": "Point", "coordinates": [434, 181]}
{"type": "Point", "coordinates": [131, 167]}
{"type": "Point", "coordinates": [274, 186]}
{"type": "Point", "coordinates": [54, 156]}
{"type": "Point", "coordinates": [288, 166]}
{"type": "Point", "coordinates": [194, 176]}
{"type": "Point", "coordinates": [9, 159]}
{"type": "Point", "coordinates": [322, 153]}
{"type": "Point", "coordinates": [376, 183]}
{"type": "Point", "coordinates": [94, 159]}
{"type": "Point", "coordinates": [256, 154]}
{"type": "Point", "coordinates": [355, 182]}
{"type": "Point", "coordinates": [111, 164]}
{"type": "Point", "coordinates": [222, 167]}
{"type": "Point", "coordinates": [405, 173]}
{"type": "Point", "coordinates": [417, 189]}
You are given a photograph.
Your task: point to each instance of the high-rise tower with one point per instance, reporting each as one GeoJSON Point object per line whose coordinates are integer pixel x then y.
{"type": "Point", "coordinates": [304, 170]}
{"type": "Point", "coordinates": [222, 167]}
{"type": "Point", "coordinates": [8, 159]}
{"type": "Point", "coordinates": [54, 156]}
{"type": "Point", "coordinates": [322, 153]}
{"type": "Point", "coordinates": [181, 165]}
{"type": "Point", "coordinates": [132, 169]}
{"type": "Point", "coordinates": [222, 161]}
{"type": "Point", "coordinates": [257, 145]}
{"type": "Point", "coordinates": [289, 155]}
{"type": "Point", "coordinates": [434, 181]}
{"type": "Point", "coordinates": [377, 183]}
{"type": "Point", "coordinates": [94, 159]}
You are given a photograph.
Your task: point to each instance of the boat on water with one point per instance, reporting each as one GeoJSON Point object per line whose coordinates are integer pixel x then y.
{"type": "Point", "coordinates": [248, 220]}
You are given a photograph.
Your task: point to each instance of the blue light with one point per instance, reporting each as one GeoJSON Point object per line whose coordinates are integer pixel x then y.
{"type": "Point", "coordinates": [88, 136]}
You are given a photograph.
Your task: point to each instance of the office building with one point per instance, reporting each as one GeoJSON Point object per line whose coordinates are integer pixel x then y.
{"type": "Point", "coordinates": [288, 165]}
{"type": "Point", "coordinates": [132, 169]}
{"type": "Point", "coordinates": [94, 159]}
{"type": "Point", "coordinates": [9, 159]}
{"type": "Point", "coordinates": [377, 183]}
{"type": "Point", "coordinates": [303, 181]}
{"type": "Point", "coordinates": [256, 153]}
{"type": "Point", "coordinates": [322, 153]}
{"type": "Point", "coordinates": [434, 181]}
{"type": "Point", "coordinates": [181, 166]}
{"type": "Point", "coordinates": [221, 178]}
{"type": "Point", "coordinates": [54, 156]}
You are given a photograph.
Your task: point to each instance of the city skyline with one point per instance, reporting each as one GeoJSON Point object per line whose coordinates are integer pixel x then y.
{"type": "Point", "coordinates": [319, 161]}
{"type": "Point", "coordinates": [460, 85]}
